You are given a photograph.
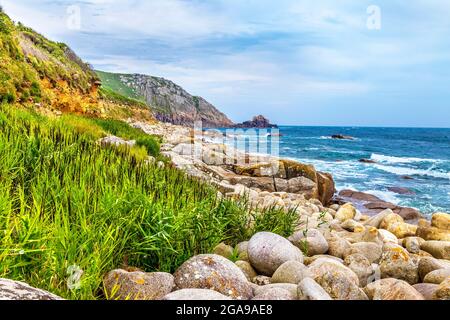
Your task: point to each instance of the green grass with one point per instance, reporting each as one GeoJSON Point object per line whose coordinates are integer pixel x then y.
{"type": "Point", "coordinates": [114, 86]}
{"type": "Point", "coordinates": [66, 201]}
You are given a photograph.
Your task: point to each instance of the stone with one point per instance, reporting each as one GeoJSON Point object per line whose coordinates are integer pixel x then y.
{"type": "Point", "coordinates": [224, 250]}
{"type": "Point", "coordinates": [439, 249]}
{"type": "Point", "coordinates": [310, 260]}
{"type": "Point", "coordinates": [389, 220]}
{"type": "Point", "coordinates": [429, 264]}
{"type": "Point", "coordinates": [136, 285]}
{"type": "Point", "coordinates": [437, 276]}
{"type": "Point", "coordinates": [308, 289]}
{"type": "Point", "coordinates": [370, 250]}
{"type": "Point", "coordinates": [397, 263]}
{"type": "Point", "coordinates": [262, 280]}
{"type": "Point", "coordinates": [361, 266]}
{"type": "Point", "coordinates": [376, 220]}
{"type": "Point", "coordinates": [346, 212]}
{"type": "Point", "coordinates": [337, 280]}
{"type": "Point", "coordinates": [402, 230]}
{"type": "Point", "coordinates": [426, 289]}
{"type": "Point", "coordinates": [274, 294]}
{"type": "Point", "coordinates": [337, 246]}
{"type": "Point", "coordinates": [290, 272]}
{"type": "Point", "coordinates": [441, 220]}
{"type": "Point", "coordinates": [290, 287]}
{"type": "Point", "coordinates": [268, 251]}
{"type": "Point", "coordinates": [15, 290]}
{"type": "Point", "coordinates": [241, 249]}
{"type": "Point", "coordinates": [247, 269]}
{"type": "Point", "coordinates": [392, 289]}
{"type": "Point", "coordinates": [443, 291]}
{"type": "Point", "coordinates": [310, 241]}
{"type": "Point", "coordinates": [353, 226]}
{"type": "Point", "coordinates": [196, 295]}
{"type": "Point", "coordinates": [387, 237]}
{"type": "Point", "coordinates": [432, 233]}
{"type": "Point", "coordinates": [214, 272]}
{"type": "Point", "coordinates": [116, 141]}
{"type": "Point", "coordinates": [412, 244]}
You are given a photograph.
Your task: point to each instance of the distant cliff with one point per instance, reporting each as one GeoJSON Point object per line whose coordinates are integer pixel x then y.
{"type": "Point", "coordinates": [257, 122]}
{"type": "Point", "coordinates": [169, 102]}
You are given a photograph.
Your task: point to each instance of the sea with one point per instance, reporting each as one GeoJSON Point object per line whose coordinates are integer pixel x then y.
{"type": "Point", "coordinates": [421, 155]}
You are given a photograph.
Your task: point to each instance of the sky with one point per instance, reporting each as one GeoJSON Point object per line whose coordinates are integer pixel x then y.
{"type": "Point", "coordinates": [298, 62]}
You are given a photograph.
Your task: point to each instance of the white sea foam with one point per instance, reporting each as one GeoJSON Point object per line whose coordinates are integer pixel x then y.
{"type": "Point", "coordinates": [387, 196]}
{"type": "Point", "coordinates": [402, 171]}
{"type": "Point", "coordinates": [390, 159]}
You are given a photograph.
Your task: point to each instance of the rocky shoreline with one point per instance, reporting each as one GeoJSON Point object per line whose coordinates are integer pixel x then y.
{"type": "Point", "coordinates": [345, 247]}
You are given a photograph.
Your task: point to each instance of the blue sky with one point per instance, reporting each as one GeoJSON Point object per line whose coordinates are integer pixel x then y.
{"type": "Point", "coordinates": [297, 62]}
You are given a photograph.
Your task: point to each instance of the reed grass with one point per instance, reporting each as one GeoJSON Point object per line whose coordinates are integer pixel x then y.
{"type": "Point", "coordinates": [66, 201]}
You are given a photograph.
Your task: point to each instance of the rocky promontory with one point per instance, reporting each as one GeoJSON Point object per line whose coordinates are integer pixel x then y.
{"type": "Point", "coordinates": [258, 122]}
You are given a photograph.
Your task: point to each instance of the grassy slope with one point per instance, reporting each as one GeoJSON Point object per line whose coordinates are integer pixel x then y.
{"type": "Point", "coordinates": [66, 201]}
{"type": "Point", "coordinates": [112, 82]}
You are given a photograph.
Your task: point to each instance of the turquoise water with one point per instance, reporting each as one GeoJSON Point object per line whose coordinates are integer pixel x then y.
{"type": "Point", "coordinates": [422, 154]}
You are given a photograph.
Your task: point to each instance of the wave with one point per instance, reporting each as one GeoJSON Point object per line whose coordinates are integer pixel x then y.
{"type": "Point", "coordinates": [402, 171]}
{"type": "Point", "coordinates": [390, 159]}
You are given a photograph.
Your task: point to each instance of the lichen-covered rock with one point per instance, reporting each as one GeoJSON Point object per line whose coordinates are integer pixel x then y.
{"type": "Point", "coordinates": [247, 269]}
{"type": "Point", "coordinates": [346, 212]}
{"type": "Point", "coordinates": [196, 295]}
{"type": "Point", "coordinates": [268, 251]}
{"type": "Point", "coordinates": [290, 272]}
{"type": "Point", "coordinates": [397, 263]}
{"type": "Point", "coordinates": [338, 281]}
{"type": "Point", "coordinates": [224, 250]}
{"type": "Point", "coordinates": [443, 291]}
{"type": "Point", "coordinates": [390, 219]}
{"type": "Point", "coordinates": [441, 220]}
{"type": "Point", "coordinates": [392, 289]}
{"type": "Point", "coordinates": [310, 241]}
{"type": "Point", "coordinates": [361, 266]}
{"type": "Point", "coordinates": [429, 264]}
{"type": "Point", "coordinates": [15, 290]}
{"type": "Point", "coordinates": [353, 226]}
{"type": "Point", "coordinates": [426, 289]}
{"type": "Point", "coordinates": [412, 244]}
{"type": "Point", "coordinates": [262, 280]}
{"type": "Point", "coordinates": [370, 250]}
{"type": "Point", "coordinates": [216, 273]}
{"type": "Point", "coordinates": [437, 276]}
{"type": "Point", "coordinates": [123, 285]}
{"type": "Point", "coordinates": [439, 249]}
{"type": "Point", "coordinates": [274, 294]}
{"type": "Point", "coordinates": [432, 233]}
{"type": "Point", "coordinates": [308, 289]}
{"type": "Point", "coordinates": [402, 229]}
{"type": "Point", "coordinates": [337, 246]}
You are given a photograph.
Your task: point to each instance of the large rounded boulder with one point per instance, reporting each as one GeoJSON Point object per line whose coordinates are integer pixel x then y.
{"type": "Point", "coordinates": [214, 272]}
{"type": "Point", "coordinates": [268, 251]}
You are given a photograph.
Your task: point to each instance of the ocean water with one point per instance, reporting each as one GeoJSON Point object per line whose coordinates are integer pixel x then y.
{"type": "Point", "coordinates": [422, 154]}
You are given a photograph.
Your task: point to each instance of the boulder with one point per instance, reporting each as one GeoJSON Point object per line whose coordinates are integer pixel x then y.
{"type": "Point", "coordinates": [441, 220]}
{"type": "Point", "coordinates": [290, 272]}
{"type": "Point", "coordinates": [274, 294]}
{"type": "Point", "coordinates": [310, 260]}
{"type": "Point", "coordinates": [429, 264]}
{"type": "Point", "coordinates": [361, 266]}
{"type": "Point", "coordinates": [346, 212]}
{"type": "Point", "coordinates": [241, 249]}
{"type": "Point", "coordinates": [439, 249]}
{"type": "Point", "coordinates": [326, 187]}
{"type": "Point", "coordinates": [392, 289]}
{"type": "Point", "coordinates": [262, 280]}
{"type": "Point", "coordinates": [432, 233]}
{"type": "Point", "coordinates": [308, 289]}
{"type": "Point", "coordinates": [15, 290]}
{"type": "Point", "coordinates": [310, 241]}
{"type": "Point", "coordinates": [370, 250]}
{"type": "Point", "coordinates": [387, 237]}
{"type": "Point", "coordinates": [338, 281]}
{"type": "Point", "coordinates": [437, 276]}
{"type": "Point", "coordinates": [196, 295]}
{"type": "Point", "coordinates": [412, 244]}
{"type": "Point", "coordinates": [268, 251]}
{"type": "Point", "coordinates": [213, 272]}
{"type": "Point", "coordinates": [123, 285]}
{"type": "Point", "coordinates": [224, 250]}
{"type": "Point", "coordinates": [396, 263]}
{"type": "Point", "coordinates": [247, 269]}
{"type": "Point", "coordinates": [426, 289]}
{"type": "Point", "coordinates": [353, 226]}
{"type": "Point", "coordinates": [337, 246]}
{"type": "Point", "coordinates": [376, 220]}
{"type": "Point", "coordinates": [402, 230]}
{"type": "Point", "coordinates": [443, 291]}
{"type": "Point", "coordinates": [262, 290]}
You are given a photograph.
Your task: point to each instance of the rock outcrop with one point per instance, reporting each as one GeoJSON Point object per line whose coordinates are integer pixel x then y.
{"type": "Point", "coordinates": [259, 122]}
